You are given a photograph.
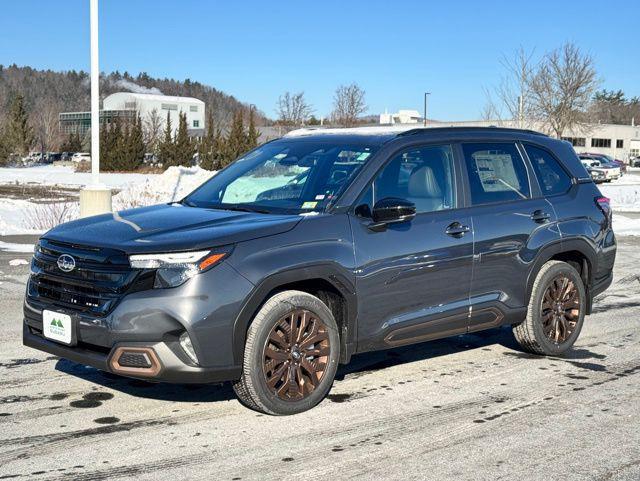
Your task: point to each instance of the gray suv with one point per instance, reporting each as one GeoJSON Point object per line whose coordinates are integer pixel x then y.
{"type": "Point", "coordinates": [323, 244]}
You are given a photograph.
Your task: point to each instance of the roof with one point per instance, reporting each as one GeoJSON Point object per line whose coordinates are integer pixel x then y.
{"type": "Point", "coordinates": [389, 132]}
{"type": "Point", "coordinates": [155, 97]}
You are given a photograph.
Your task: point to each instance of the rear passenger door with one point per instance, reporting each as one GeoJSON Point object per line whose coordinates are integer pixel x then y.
{"type": "Point", "coordinates": [511, 221]}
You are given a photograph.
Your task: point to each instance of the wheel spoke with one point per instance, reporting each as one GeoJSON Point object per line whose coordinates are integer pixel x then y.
{"type": "Point", "coordinates": [277, 376]}
{"type": "Point", "coordinates": [277, 355]}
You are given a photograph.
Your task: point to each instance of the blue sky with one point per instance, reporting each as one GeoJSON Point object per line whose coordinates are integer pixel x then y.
{"type": "Point", "coordinates": [394, 50]}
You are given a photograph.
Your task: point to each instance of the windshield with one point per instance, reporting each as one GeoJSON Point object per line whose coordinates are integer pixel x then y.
{"type": "Point", "coordinates": [284, 177]}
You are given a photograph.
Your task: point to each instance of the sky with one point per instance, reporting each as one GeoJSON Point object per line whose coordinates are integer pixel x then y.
{"type": "Point", "coordinates": [395, 50]}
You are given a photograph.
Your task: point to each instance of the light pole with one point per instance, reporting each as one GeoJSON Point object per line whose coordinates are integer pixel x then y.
{"type": "Point", "coordinates": [95, 198]}
{"type": "Point", "coordinates": [426, 94]}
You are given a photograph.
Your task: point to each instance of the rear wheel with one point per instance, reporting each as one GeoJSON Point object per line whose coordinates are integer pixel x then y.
{"type": "Point", "coordinates": [291, 355]}
{"type": "Point", "coordinates": [556, 311]}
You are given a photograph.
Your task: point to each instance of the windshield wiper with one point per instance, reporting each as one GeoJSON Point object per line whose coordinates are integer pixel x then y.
{"type": "Point", "coordinates": [186, 202]}
{"type": "Point", "coordinates": [242, 208]}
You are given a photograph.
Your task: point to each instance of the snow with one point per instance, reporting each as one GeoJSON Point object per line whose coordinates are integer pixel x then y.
{"type": "Point", "coordinates": [382, 130]}
{"type": "Point", "coordinates": [624, 198]}
{"type": "Point", "coordinates": [12, 216]}
{"type": "Point", "coordinates": [65, 175]}
{"type": "Point", "coordinates": [173, 184]}
{"type": "Point", "coordinates": [11, 247]}
{"type": "Point", "coordinates": [18, 262]}
{"type": "Point", "coordinates": [624, 226]}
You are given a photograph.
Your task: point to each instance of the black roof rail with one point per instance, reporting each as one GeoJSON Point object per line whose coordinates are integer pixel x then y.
{"type": "Point", "coordinates": [422, 130]}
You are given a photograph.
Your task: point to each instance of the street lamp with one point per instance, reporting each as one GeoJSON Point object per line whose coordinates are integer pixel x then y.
{"type": "Point", "coordinates": [426, 94]}
{"type": "Point", "coordinates": [95, 198]}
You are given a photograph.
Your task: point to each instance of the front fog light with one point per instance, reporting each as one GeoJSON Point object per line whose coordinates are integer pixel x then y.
{"type": "Point", "coordinates": [187, 347]}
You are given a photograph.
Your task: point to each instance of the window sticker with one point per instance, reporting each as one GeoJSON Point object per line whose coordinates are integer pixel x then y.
{"type": "Point", "coordinates": [309, 205]}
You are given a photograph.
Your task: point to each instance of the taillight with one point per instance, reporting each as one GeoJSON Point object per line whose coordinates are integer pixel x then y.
{"type": "Point", "coordinates": [604, 204]}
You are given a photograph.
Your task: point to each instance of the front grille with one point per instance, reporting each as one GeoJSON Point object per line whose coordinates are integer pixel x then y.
{"type": "Point", "coordinates": [99, 280]}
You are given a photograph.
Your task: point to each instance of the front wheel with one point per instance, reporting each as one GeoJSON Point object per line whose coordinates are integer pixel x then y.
{"type": "Point", "coordinates": [556, 311]}
{"type": "Point", "coordinates": [291, 355]}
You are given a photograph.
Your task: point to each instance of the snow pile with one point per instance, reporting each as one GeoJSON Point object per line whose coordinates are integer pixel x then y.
{"type": "Point", "coordinates": [624, 198]}
{"type": "Point", "coordinates": [65, 175]}
{"type": "Point", "coordinates": [624, 226]}
{"type": "Point", "coordinates": [172, 185]}
{"type": "Point", "coordinates": [18, 262]}
{"type": "Point", "coordinates": [12, 247]}
{"type": "Point", "coordinates": [12, 216]}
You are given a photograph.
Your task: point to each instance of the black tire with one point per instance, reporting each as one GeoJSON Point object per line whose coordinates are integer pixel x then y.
{"type": "Point", "coordinates": [252, 388]}
{"type": "Point", "coordinates": [530, 334]}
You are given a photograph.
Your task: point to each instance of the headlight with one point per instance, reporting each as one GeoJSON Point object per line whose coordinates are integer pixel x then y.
{"type": "Point", "coordinates": [176, 268]}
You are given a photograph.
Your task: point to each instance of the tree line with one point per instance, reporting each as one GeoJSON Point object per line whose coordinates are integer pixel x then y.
{"type": "Point", "coordinates": [46, 93]}
{"type": "Point", "coordinates": [123, 146]}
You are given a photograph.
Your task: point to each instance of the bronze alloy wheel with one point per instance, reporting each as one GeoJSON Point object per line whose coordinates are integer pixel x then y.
{"type": "Point", "coordinates": [560, 309]}
{"type": "Point", "coordinates": [295, 356]}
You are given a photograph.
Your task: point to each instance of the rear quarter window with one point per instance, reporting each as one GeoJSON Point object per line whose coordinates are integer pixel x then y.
{"type": "Point", "coordinates": [551, 176]}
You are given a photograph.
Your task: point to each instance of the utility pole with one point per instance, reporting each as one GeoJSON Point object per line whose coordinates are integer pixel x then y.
{"type": "Point", "coordinates": [426, 94]}
{"type": "Point", "coordinates": [95, 198]}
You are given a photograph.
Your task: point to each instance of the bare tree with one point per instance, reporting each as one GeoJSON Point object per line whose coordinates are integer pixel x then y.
{"type": "Point", "coordinates": [348, 105]}
{"type": "Point", "coordinates": [153, 125]}
{"type": "Point", "coordinates": [46, 126]}
{"type": "Point", "coordinates": [512, 98]}
{"type": "Point", "coordinates": [293, 109]}
{"type": "Point", "coordinates": [562, 89]}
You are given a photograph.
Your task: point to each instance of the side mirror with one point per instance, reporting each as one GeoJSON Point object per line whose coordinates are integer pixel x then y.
{"type": "Point", "coordinates": [392, 210]}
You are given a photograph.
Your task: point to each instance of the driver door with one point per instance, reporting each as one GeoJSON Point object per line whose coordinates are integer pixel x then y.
{"type": "Point", "coordinates": [414, 278]}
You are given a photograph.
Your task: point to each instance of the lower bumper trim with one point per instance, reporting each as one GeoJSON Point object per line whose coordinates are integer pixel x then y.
{"type": "Point", "coordinates": [173, 370]}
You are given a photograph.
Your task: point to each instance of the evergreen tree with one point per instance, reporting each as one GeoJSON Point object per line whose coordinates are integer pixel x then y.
{"type": "Point", "coordinates": [166, 146]}
{"type": "Point", "coordinates": [4, 149]}
{"type": "Point", "coordinates": [18, 133]}
{"type": "Point", "coordinates": [184, 149]}
{"type": "Point", "coordinates": [236, 142]}
{"type": "Point", "coordinates": [73, 143]}
{"type": "Point", "coordinates": [206, 152]}
{"type": "Point", "coordinates": [135, 146]}
{"type": "Point", "coordinates": [252, 134]}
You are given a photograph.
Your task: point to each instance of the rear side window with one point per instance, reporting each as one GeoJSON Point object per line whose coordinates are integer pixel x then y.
{"type": "Point", "coordinates": [497, 173]}
{"type": "Point", "coordinates": [551, 176]}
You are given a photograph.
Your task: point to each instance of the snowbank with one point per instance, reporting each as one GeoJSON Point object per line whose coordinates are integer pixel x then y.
{"type": "Point", "coordinates": [171, 185]}
{"type": "Point", "coordinates": [624, 198]}
{"type": "Point", "coordinates": [624, 226]}
{"type": "Point", "coordinates": [12, 216]}
{"type": "Point", "coordinates": [65, 175]}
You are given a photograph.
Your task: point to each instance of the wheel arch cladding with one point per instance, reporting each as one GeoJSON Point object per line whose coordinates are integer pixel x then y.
{"type": "Point", "coordinates": [576, 252]}
{"type": "Point", "coordinates": [322, 281]}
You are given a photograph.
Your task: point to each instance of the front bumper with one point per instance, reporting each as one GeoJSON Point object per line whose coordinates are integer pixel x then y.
{"type": "Point", "coordinates": [172, 368]}
{"type": "Point", "coordinates": [205, 307]}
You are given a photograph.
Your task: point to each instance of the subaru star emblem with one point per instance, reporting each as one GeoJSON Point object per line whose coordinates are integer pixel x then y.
{"type": "Point", "coordinates": [66, 263]}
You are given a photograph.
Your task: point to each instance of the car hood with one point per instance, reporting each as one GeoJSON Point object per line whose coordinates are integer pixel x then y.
{"type": "Point", "coordinates": [170, 228]}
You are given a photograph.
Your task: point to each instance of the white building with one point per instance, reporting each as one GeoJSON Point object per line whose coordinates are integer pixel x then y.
{"type": "Point", "coordinates": [145, 104]}
{"type": "Point", "coordinates": [401, 117]}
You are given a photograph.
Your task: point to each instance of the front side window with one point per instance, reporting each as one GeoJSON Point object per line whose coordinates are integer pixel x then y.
{"type": "Point", "coordinates": [423, 176]}
{"type": "Point", "coordinates": [285, 177]}
{"type": "Point", "coordinates": [496, 172]}
{"type": "Point", "coordinates": [551, 176]}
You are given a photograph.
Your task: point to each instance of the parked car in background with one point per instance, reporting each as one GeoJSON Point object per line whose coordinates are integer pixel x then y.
{"type": "Point", "coordinates": [320, 245]}
{"type": "Point", "coordinates": [81, 157]}
{"type": "Point", "coordinates": [66, 156]}
{"type": "Point", "coordinates": [611, 172]}
{"type": "Point", "coordinates": [597, 175]}
{"type": "Point", "coordinates": [608, 160]}
{"type": "Point", "coordinates": [52, 157]}
{"type": "Point", "coordinates": [635, 162]}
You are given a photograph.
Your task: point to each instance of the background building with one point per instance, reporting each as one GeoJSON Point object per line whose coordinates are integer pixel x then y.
{"type": "Point", "coordinates": [401, 117]}
{"type": "Point", "coordinates": [619, 141]}
{"type": "Point", "coordinates": [126, 104]}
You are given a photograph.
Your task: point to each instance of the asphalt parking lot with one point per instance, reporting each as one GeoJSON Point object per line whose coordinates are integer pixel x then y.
{"type": "Point", "coordinates": [472, 407]}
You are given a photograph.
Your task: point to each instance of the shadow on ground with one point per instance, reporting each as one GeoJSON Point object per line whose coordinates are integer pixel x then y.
{"type": "Point", "coordinates": [360, 364]}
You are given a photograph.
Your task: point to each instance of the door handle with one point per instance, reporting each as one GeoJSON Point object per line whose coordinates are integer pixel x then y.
{"type": "Point", "coordinates": [540, 216]}
{"type": "Point", "coordinates": [457, 229]}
